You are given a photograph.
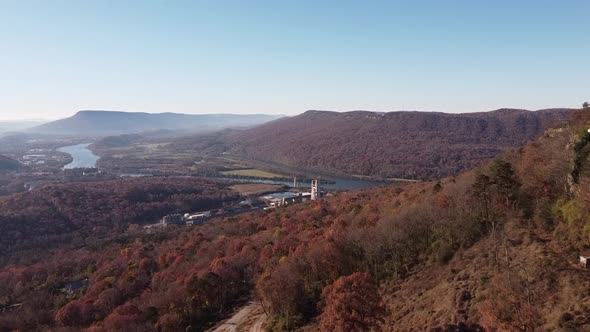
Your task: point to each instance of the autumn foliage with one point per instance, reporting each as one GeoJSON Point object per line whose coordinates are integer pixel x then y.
{"type": "Point", "coordinates": [352, 303]}
{"type": "Point", "coordinates": [75, 313]}
{"type": "Point", "coordinates": [80, 212]}
{"type": "Point", "coordinates": [314, 261]}
{"type": "Point", "coordinates": [418, 145]}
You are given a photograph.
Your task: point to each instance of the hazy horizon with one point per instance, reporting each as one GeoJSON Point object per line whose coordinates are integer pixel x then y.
{"type": "Point", "coordinates": [18, 120]}
{"type": "Point", "coordinates": [284, 58]}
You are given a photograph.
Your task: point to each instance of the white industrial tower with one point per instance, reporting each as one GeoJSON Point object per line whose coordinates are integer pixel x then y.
{"type": "Point", "coordinates": [315, 189]}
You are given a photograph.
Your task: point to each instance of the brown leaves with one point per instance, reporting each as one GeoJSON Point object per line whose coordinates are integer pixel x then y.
{"type": "Point", "coordinates": [352, 303]}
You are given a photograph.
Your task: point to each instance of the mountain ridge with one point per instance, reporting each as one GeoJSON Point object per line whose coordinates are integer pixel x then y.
{"type": "Point", "coordinates": [397, 144]}
{"type": "Point", "coordinates": [101, 122]}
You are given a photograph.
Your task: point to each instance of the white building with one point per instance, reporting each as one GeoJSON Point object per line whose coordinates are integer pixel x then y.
{"type": "Point", "coordinates": [315, 189]}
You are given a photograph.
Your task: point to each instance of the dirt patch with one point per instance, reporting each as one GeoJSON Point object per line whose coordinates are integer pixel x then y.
{"type": "Point", "coordinates": [250, 318]}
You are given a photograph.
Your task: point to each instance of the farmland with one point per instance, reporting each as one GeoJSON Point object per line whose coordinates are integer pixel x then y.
{"type": "Point", "coordinates": [251, 172]}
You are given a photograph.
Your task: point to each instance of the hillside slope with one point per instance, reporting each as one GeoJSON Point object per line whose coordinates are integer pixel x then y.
{"type": "Point", "coordinates": [110, 123]}
{"type": "Point", "coordinates": [396, 144]}
{"type": "Point", "coordinates": [7, 164]}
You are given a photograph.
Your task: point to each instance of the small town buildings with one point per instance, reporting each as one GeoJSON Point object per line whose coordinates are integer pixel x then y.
{"type": "Point", "coordinates": [34, 156]}
{"type": "Point", "coordinates": [197, 218]}
{"type": "Point", "coordinates": [186, 219]}
{"type": "Point", "coordinates": [585, 260]}
{"type": "Point", "coordinates": [81, 171]}
{"type": "Point", "coordinates": [193, 222]}
{"type": "Point", "coordinates": [285, 198]}
{"type": "Point", "coordinates": [172, 219]}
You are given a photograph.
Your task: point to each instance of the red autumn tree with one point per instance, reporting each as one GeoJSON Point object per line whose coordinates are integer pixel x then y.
{"type": "Point", "coordinates": [352, 303]}
{"type": "Point", "coordinates": [124, 318]}
{"type": "Point", "coordinates": [75, 313]}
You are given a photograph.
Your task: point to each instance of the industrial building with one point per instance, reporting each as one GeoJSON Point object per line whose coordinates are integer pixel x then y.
{"type": "Point", "coordinates": [186, 219]}
{"type": "Point", "coordinates": [287, 198]}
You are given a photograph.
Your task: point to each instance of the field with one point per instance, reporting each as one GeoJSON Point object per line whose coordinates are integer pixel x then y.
{"type": "Point", "coordinates": [255, 188]}
{"type": "Point", "coordinates": [252, 173]}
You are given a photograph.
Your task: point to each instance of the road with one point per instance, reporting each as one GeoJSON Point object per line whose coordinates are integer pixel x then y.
{"type": "Point", "coordinates": [249, 318]}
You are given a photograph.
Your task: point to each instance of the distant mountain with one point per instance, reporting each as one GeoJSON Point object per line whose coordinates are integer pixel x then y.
{"type": "Point", "coordinates": [7, 164]}
{"type": "Point", "coordinates": [416, 145]}
{"type": "Point", "coordinates": [13, 126]}
{"type": "Point", "coordinates": [101, 123]}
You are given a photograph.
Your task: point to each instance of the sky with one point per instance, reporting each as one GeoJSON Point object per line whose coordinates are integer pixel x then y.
{"type": "Point", "coordinates": [286, 57]}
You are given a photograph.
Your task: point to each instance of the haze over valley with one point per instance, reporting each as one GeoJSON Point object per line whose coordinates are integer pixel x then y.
{"type": "Point", "coordinates": [101, 123]}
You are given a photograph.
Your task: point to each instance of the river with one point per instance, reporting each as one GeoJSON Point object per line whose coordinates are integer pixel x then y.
{"type": "Point", "coordinates": [335, 183]}
{"type": "Point", "coordinates": [83, 157]}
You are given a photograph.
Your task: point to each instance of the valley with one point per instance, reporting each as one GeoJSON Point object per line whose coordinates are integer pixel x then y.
{"type": "Point", "coordinates": [294, 166]}
{"type": "Point", "coordinates": [476, 232]}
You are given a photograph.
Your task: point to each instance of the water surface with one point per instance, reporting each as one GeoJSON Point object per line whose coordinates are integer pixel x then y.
{"type": "Point", "coordinates": [83, 157]}
{"type": "Point", "coordinates": [336, 183]}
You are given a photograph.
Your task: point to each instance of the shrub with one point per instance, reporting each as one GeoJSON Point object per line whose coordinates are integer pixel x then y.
{"type": "Point", "coordinates": [352, 303]}
{"type": "Point", "coordinates": [565, 319]}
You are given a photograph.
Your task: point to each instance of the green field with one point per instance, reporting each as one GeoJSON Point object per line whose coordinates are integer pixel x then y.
{"type": "Point", "coordinates": [255, 188]}
{"type": "Point", "coordinates": [252, 173]}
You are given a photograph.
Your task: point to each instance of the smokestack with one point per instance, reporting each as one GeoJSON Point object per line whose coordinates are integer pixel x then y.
{"type": "Point", "coordinates": [315, 189]}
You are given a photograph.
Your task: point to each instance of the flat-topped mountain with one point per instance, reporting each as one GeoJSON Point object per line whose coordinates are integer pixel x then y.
{"type": "Point", "coordinates": [394, 144]}
{"type": "Point", "coordinates": [109, 123]}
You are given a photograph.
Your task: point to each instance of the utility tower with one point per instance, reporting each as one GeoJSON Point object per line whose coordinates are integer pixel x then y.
{"type": "Point", "coordinates": [315, 189]}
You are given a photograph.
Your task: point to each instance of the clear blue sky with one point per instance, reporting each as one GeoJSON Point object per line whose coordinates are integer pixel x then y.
{"type": "Point", "coordinates": [284, 57]}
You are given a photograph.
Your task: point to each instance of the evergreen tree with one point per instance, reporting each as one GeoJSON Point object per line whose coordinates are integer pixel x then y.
{"type": "Point", "coordinates": [504, 179]}
{"type": "Point", "coordinates": [481, 191]}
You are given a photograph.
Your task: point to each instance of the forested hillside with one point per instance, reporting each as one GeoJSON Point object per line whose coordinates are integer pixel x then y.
{"type": "Point", "coordinates": [59, 215]}
{"type": "Point", "coordinates": [7, 164]}
{"type": "Point", "coordinates": [414, 145]}
{"type": "Point", "coordinates": [496, 248]}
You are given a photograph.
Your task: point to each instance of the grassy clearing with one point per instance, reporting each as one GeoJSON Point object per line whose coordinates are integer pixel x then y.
{"type": "Point", "coordinates": [253, 173]}
{"type": "Point", "coordinates": [155, 145]}
{"type": "Point", "coordinates": [255, 188]}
